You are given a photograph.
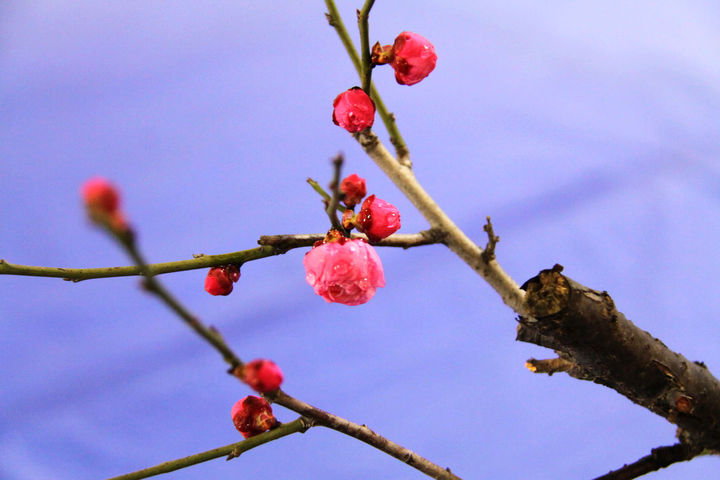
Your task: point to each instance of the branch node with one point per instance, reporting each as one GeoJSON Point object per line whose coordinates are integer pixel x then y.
{"type": "Point", "coordinates": [549, 366]}
{"type": "Point", "coordinates": [488, 253]}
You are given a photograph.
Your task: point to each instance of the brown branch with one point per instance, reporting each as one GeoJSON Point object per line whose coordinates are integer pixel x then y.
{"type": "Point", "coordinates": [406, 240]}
{"type": "Point", "coordinates": [660, 457]}
{"type": "Point", "coordinates": [587, 331]}
{"type": "Point", "coordinates": [364, 434]}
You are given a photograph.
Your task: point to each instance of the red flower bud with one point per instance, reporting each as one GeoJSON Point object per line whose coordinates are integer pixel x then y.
{"type": "Point", "coordinates": [102, 201]}
{"type": "Point", "coordinates": [354, 189]}
{"type": "Point", "coordinates": [219, 280]}
{"type": "Point", "coordinates": [377, 219]}
{"type": "Point", "coordinates": [252, 416]}
{"type": "Point", "coordinates": [263, 376]}
{"type": "Point", "coordinates": [413, 57]}
{"type": "Point", "coordinates": [353, 110]}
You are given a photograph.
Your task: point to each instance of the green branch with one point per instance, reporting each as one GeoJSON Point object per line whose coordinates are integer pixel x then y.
{"type": "Point", "coordinates": [79, 274]}
{"type": "Point", "coordinates": [234, 449]}
{"type": "Point", "coordinates": [366, 64]}
{"type": "Point", "coordinates": [401, 149]}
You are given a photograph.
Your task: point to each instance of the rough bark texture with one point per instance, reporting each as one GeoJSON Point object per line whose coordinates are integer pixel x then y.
{"type": "Point", "coordinates": [585, 329]}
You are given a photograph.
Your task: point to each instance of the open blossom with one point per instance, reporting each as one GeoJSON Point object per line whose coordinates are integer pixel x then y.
{"type": "Point", "coordinates": [412, 57]}
{"type": "Point", "coordinates": [354, 189]}
{"type": "Point", "coordinates": [102, 202]}
{"type": "Point", "coordinates": [353, 110]}
{"type": "Point", "coordinates": [252, 416]}
{"type": "Point", "coordinates": [219, 280]}
{"type": "Point", "coordinates": [344, 271]}
{"type": "Point", "coordinates": [377, 219]}
{"type": "Point", "coordinates": [263, 376]}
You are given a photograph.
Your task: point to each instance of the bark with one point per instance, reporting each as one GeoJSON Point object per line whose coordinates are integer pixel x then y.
{"type": "Point", "coordinates": [596, 342]}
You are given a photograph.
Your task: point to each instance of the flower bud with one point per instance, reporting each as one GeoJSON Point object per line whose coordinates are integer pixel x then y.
{"type": "Point", "coordinates": [413, 57]}
{"type": "Point", "coordinates": [354, 189]}
{"type": "Point", "coordinates": [353, 110]}
{"type": "Point", "coordinates": [344, 271]}
{"type": "Point", "coordinates": [377, 219]}
{"type": "Point", "coordinates": [102, 202]}
{"type": "Point", "coordinates": [219, 280]}
{"type": "Point", "coordinates": [263, 376]}
{"type": "Point", "coordinates": [252, 416]}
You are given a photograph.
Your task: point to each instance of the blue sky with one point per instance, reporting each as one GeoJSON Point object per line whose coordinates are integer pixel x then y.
{"type": "Point", "coordinates": [587, 130]}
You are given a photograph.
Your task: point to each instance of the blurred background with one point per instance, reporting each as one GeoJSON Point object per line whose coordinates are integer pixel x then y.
{"type": "Point", "coordinates": [587, 130]}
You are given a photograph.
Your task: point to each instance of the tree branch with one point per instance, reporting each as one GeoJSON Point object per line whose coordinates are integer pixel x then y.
{"type": "Point", "coordinates": [364, 434]}
{"type": "Point", "coordinates": [599, 344]}
{"type": "Point", "coordinates": [233, 450]}
{"type": "Point", "coordinates": [403, 240]}
{"type": "Point", "coordinates": [199, 261]}
{"type": "Point", "coordinates": [455, 238]}
{"type": "Point", "coordinates": [660, 457]}
{"type": "Point", "coordinates": [270, 245]}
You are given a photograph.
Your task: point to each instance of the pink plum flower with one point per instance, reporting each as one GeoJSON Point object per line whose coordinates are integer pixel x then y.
{"type": "Point", "coordinates": [252, 416]}
{"type": "Point", "coordinates": [219, 280]}
{"type": "Point", "coordinates": [263, 376]}
{"type": "Point", "coordinates": [412, 57]}
{"type": "Point", "coordinates": [353, 110]}
{"type": "Point", "coordinates": [377, 219]}
{"type": "Point", "coordinates": [353, 186]}
{"type": "Point", "coordinates": [344, 271]}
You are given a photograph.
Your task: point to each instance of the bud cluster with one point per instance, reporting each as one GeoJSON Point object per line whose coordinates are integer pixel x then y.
{"type": "Point", "coordinates": [342, 270]}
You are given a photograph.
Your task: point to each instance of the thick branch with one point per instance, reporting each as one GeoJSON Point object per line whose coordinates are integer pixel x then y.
{"type": "Point", "coordinates": [455, 238]}
{"type": "Point", "coordinates": [601, 345]}
{"type": "Point", "coordinates": [364, 434]}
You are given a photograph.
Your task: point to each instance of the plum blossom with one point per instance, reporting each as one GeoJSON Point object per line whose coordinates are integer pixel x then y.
{"type": "Point", "coordinates": [344, 271]}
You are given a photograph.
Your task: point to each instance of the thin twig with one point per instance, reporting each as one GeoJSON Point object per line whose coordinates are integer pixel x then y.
{"type": "Point", "coordinates": [364, 434]}
{"type": "Point", "coordinates": [403, 240]}
{"type": "Point", "coordinates": [660, 457]}
{"type": "Point", "coordinates": [332, 206]}
{"type": "Point", "coordinates": [326, 196]}
{"type": "Point", "coordinates": [235, 449]}
{"type": "Point", "coordinates": [388, 118]}
{"type": "Point", "coordinates": [364, 27]}
{"type": "Point", "coordinates": [80, 274]}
